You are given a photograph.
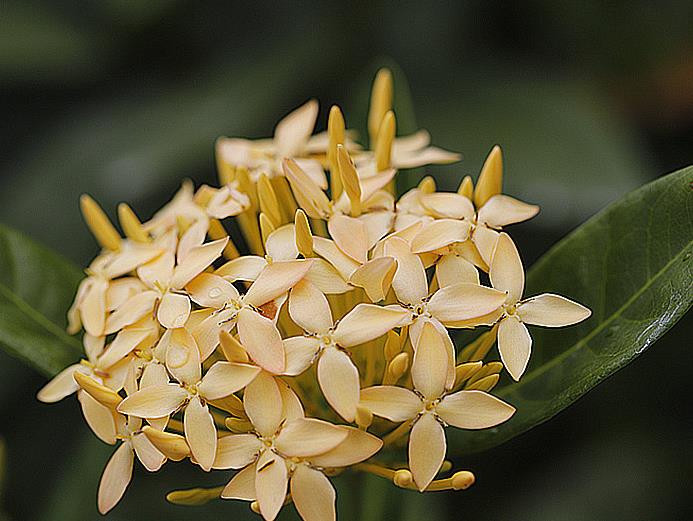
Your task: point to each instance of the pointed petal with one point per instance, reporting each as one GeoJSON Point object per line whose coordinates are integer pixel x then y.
{"type": "Point", "coordinates": [415, 330]}
{"type": "Point", "coordinates": [326, 278]}
{"type": "Point", "coordinates": [237, 451]}
{"type": "Point", "coordinates": [132, 310]}
{"type": "Point", "coordinates": [514, 345]}
{"type": "Point", "coordinates": [300, 353]}
{"type": "Point", "coordinates": [63, 384]}
{"type": "Point", "coordinates": [375, 277]}
{"type": "Point", "coordinates": [388, 401]}
{"type": "Point", "coordinates": [155, 401]}
{"type": "Point", "coordinates": [147, 453]}
{"type": "Point", "coordinates": [327, 249]}
{"type": "Point", "coordinates": [263, 404]}
{"type": "Point", "coordinates": [313, 495]}
{"type": "Point", "coordinates": [281, 243]}
{"type": "Point", "coordinates": [197, 260]}
{"type": "Point", "coordinates": [440, 233]}
{"type": "Point", "coordinates": [358, 446]}
{"type": "Point", "coordinates": [451, 269]}
{"type": "Point", "coordinates": [448, 205]}
{"type": "Point", "coordinates": [262, 341]}
{"type": "Point", "coordinates": [157, 272]}
{"type": "Point", "coordinates": [116, 477]}
{"type": "Point", "coordinates": [309, 195]}
{"type": "Point", "coordinates": [485, 241]}
{"type": "Point", "coordinates": [292, 408]}
{"type": "Point", "coordinates": [122, 345]}
{"type": "Point", "coordinates": [429, 370]}
{"type": "Point", "coordinates": [309, 308]}
{"type": "Point", "coordinates": [473, 410]}
{"type": "Point", "coordinates": [366, 322]}
{"type": "Point", "coordinates": [410, 283]}
{"type": "Point", "coordinates": [271, 480]}
{"type": "Point", "coordinates": [211, 291]}
{"type": "Point", "coordinates": [350, 235]}
{"type": "Point", "coordinates": [550, 310]}
{"type": "Point", "coordinates": [173, 446]}
{"type": "Point", "coordinates": [183, 358]}
{"type": "Point", "coordinates": [306, 437]}
{"type": "Point", "coordinates": [507, 273]}
{"type": "Point", "coordinates": [293, 131]}
{"type": "Point", "coordinates": [339, 381]}
{"type": "Point", "coordinates": [490, 181]}
{"type": "Point", "coordinates": [427, 448]}
{"type": "Point", "coordinates": [225, 378]}
{"type": "Point", "coordinates": [102, 394]}
{"type": "Point", "coordinates": [276, 279]}
{"type": "Point", "coordinates": [99, 418]}
{"type": "Point", "coordinates": [501, 210]}
{"type": "Point", "coordinates": [193, 237]}
{"type": "Point", "coordinates": [93, 308]}
{"type": "Point", "coordinates": [246, 268]}
{"type": "Point", "coordinates": [200, 433]}
{"type": "Point", "coordinates": [464, 301]}
{"type": "Point", "coordinates": [242, 485]}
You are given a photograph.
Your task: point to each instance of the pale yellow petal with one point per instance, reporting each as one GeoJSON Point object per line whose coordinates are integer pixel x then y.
{"type": "Point", "coordinates": [394, 403]}
{"type": "Point", "coordinates": [193, 237]}
{"type": "Point", "coordinates": [358, 446]}
{"type": "Point", "coordinates": [116, 478]}
{"type": "Point", "coordinates": [485, 241]}
{"type": "Point", "coordinates": [427, 447]}
{"type": "Point", "coordinates": [415, 330]}
{"type": "Point", "coordinates": [490, 181]}
{"type": "Point", "coordinates": [429, 370]}
{"type": "Point", "coordinates": [241, 486]}
{"type": "Point", "coordinates": [224, 378]}
{"type": "Point", "coordinates": [448, 205]}
{"type": "Point", "coordinates": [263, 404]}
{"type": "Point", "coordinates": [271, 480]}
{"type": "Point", "coordinates": [237, 451]}
{"type": "Point", "coordinates": [473, 410]}
{"type": "Point", "coordinates": [246, 268]}
{"type": "Point", "coordinates": [326, 278]}
{"type": "Point", "coordinates": [232, 349]}
{"type": "Point", "coordinates": [158, 271]}
{"type": "Point", "coordinates": [410, 283]}
{"type": "Point", "coordinates": [313, 495]}
{"type": "Point", "coordinates": [339, 381]}
{"type": "Point", "coordinates": [327, 249]}
{"type": "Point", "coordinates": [514, 345]}
{"type": "Point", "coordinates": [200, 433]}
{"type": "Point", "coordinates": [122, 345]}
{"type": "Point", "coordinates": [281, 243]}
{"type": "Point", "coordinates": [262, 341]}
{"type": "Point", "coordinates": [93, 308]}
{"type": "Point", "coordinates": [304, 437]}
{"type": "Point", "coordinates": [440, 233]}
{"type": "Point", "coordinates": [197, 260]}
{"type": "Point", "coordinates": [128, 260]}
{"type": "Point", "coordinates": [150, 457]}
{"type": "Point", "coordinates": [375, 277]}
{"type": "Point", "coordinates": [464, 301]}
{"type": "Point", "coordinates": [293, 131]}
{"type": "Point", "coordinates": [292, 408]}
{"type": "Point", "coordinates": [378, 224]}
{"type": "Point", "coordinates": [309, 195]}
{"type": "Point", "coordinates": [426, 156]}
{"type": "Point", "coordinates": [366, 322]}
{"type": "Point", "coordinates": [183, 357]}
{"type": "Point", "coordinates": [507, 273]}
{"type": "Point", "coordinates": [309, 308]}
{"type": "Point", "coordinates": [451, 269]}
{"type": "Point", "coordinates": [211, 291]}
{"type": "Point", "coordinates": [173, 446]}
{"type": "Point", "coordinates": [300, 353]}
{"type": "Point", "coordinates": [350, 236]}
{"type": "Point", "coordinates": [501, 210]}
{"type": "Point", "coordinates": [276, 279]}
{"type": "Point", "coordinates": [99, 418]}
{"type": "Point", "coordinates": [102, 394]}
{"type": "Point", "coordinates": [63, 384]}
{"type": "Point", "coordinates": [550, 310]}
{"type": "Point", "coordinates": [155, 401]}
{"type": "Point", "coordinates": [131, 311]}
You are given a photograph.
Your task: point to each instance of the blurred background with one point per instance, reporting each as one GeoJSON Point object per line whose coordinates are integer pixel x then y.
{"type": "Point", "coordinates": [123, 99]}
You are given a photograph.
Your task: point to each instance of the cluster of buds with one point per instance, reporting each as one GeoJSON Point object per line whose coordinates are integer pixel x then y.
{"type": "Point", "coordinates": [327, 346]}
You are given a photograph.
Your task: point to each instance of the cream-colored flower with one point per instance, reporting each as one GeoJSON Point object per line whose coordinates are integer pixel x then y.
{"type": "Point", "coordinates": [254, 313]}
{"type": "Point", "coordinates": [292, 138]}
{"type": "Point", "coordinates": [328, 343]}
{"type": "Point", "coordinates": [547, 309]}
{"type": "Point", "coordinates": [190, 394]}
{"type": "Point", "coordinates": [430, 409]}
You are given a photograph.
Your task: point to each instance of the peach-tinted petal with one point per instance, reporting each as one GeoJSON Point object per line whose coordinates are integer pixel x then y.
{"type": "Point", "coordinates": [276, 279]}
{"type": "Point", "coordinates": [200, 433]}
{"type": "Point", "coordinates": [309, 308]}
{"type": "Point", "coordinates": [306, 437]}
{"type": "Point", "coordinates": [242, 485]}
{"type": "Point", "coordinates": [514, 345]}
{"type": "Point", "coordinates": [183, 358]}
{"type": "Point", "coordinates": [131, 311]}
{"type": "Point", "coordinates": [246, 268]}
{"type": "Point", "coordinates": [440, 233]}
{"type": "Point", "coordinates": [375, 277]}
{"type": "Point", "coordinates": [263, 404]}
{"type": "Point", "coordinates": [99, 418]}
{"type": "Point", "coordinates": [211, 291]}
{"type": "Point", "coordinates": [431, 361]}
{"type": "Point", "coordinates": [237, 451]}
{"type": "Point", "coordinates": [122, 345]}
{"type": "Point", "coordinates": [262, 341]}
{"type": "Point", "coordinates": [173, 446]}
{"type": "Point", "coordinates": [473, 410]}
{"type": "Point", "coordinates": [155, 401]}
{"type": "Point", "coordinates": [271, 480]}
{"type": "Point", "coordinates": [93, 307]}
{"type": "Point", "coordinates": [116, 477]}
{"type": "Point", "coordinates": [357, 446]}
{"type": "Point", "coordinates": [326, 277]}
{"type": "Point", "coordinates": [501, 210]}
{"type": "Point", "coordinates": [63, 384]}
{"type": "Point", "coordinates": [490, 181]}
{"type": "Point", "coordinates": [464, 301]}
{"type": "Point", "coordinates": [427, 448]}
{"type": "Point", "coordinates": [451, 269]}
{"type": "Point", "coordinates": [388, 401]}
{"type": "Point", "coordinates": [410, 283]}
{"type": "Point", "coordinates": [147, 453]}
{"type": "Point", "coordinates": [350, 236]}
{"type": "Point", "coordinates": [366, 322]}
{"type": "Point", "coordinates": [506, 271]}
{"type": "Point", "coordinates": [448, 205]}
{"type": "Point", "coordinates": [293, 131]}
{"type": "Point", "coordinates": [485, 241]}
{"type": "Point", "coordinates": [339, 381]}
{"type": "Point", "coordinates": [550, 310]}
{"type": "Point", "coordinates": [196, 261]}
{"type": "Point", "coordinates": [313, 495]}
{"type": "Point", "coordinates": [224, 378]}
{"type": "Point", "coordinates": [300, 353]}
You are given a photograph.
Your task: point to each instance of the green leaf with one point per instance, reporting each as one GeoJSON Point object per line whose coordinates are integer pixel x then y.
{"type": "Point", "coordinates": [631, 264]}
{"type": "Point", "coordinates": [36, 289]}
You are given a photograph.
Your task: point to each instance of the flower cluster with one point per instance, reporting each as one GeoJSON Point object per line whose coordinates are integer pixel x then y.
{"type": "Point", "coordinates": [324, 347]}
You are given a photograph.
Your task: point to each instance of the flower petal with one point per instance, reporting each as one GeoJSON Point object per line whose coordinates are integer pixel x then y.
{"type": "Point", "coordinates": [350, 236]}
{"type": "Point", "coordinates": [375, 277]}
{"type": "Point", "coordinates": [276, 279]}
{"type": "Point", "coordinates": [358, 446]}
{"type": "Point", "coordinates": [490, 181]}
{"type": "Point", "coordinates": [366, 322]}
{"type": "Point", "coordinates": [306, 437]}
{"type": "Point", "coordinates": [182, 357]}
{"type": "Point", "coordinates": [132, 310]}
{"type": "Point", "coordinates": [262, 341]}
{"type": "Point", "coordinates": [271, 480]}
{"type": "Point", "coordinates": [293, 131]}
{"type": "Point", "coordinates": [246, 268]}
{"type": "Point", "coordinates": [451, 269]}
{"type": "Point", "coordinates": [388, 401]}
{"type": "Point", "coordinates": [93, 307]}
{"type": "Point", "coordinates": [99, 418]}
{"type": "Point", "coordinates": [281, 243]}
{"type": "Point", "coordinates": [155, 401]}
{"type": "Point", "coordinates": [300, 353]}
{"type": "Point", "coordinates": [326, 277]}
{"type": "Point", "coordinates": [464, 301]}
{"type": "Point", "coordinates": [225, 378]}
{"type": "Point", "coordinates": [514, 345]}
{"type": "Point", "coordinates": [115, 478]}
{"type": "Point", "coordinates": [196, 261]}
{"type": "Point", "coordinates": [429, 370]}
{"type": "Point", "coordinates": [63, 384]}
{"type": "Point", "coordinates": [147, 453]}
{"type": "Point", "coordinates": [485, 241]}
{"type": "Point", "coordinates": [173, 446]}
{"type": "Point", "coordinates": [410, 283]}
{"type": "Point", "coordinates": [448, 205]}
{"type": "Point", "coordinates": [473, 410]}
{"type": "Point", "coordinates": [501, 210]}
{"type": "Point", "coordinates": [550, 310]}
{"type": "Point", "coordinates": [313, 495]}
{"type": "Point", "coordinates": [309, 308]}
{"type": "Point", "coordinates": [339, 381]}
{"type": "Point", "coordinates": [427, 448]}
{"type": "Point", "coordinates": [506, 271]}
{"type": "Point", "coordinates": [122, 345]}
{"type": "Point", "coordinates": [262, 401]}
{"type": "Point", "coordinates": [211, 291]}
{"type": "Point", "coordinates": [328, 250]}
{"type": "Point", "coordinates": [439, 234]}
{"type": "Point", "coordinates": [157, 272]}
{"type": "Point", "coordinates": [237, 451]}
{"type": "Point", "coordinates": [242, 485]}
{"type": "Point", "coordinates": [200, 433]}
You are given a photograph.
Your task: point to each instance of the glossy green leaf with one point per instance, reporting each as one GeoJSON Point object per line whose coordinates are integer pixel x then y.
{"type": "Point", "coordinates": [631, 264]}
{"type": "Point", "coordinates": [36, 289]}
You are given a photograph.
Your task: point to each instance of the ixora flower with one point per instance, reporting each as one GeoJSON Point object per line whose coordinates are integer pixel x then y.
{"type": "Point", "coordinates": [192, 355]}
